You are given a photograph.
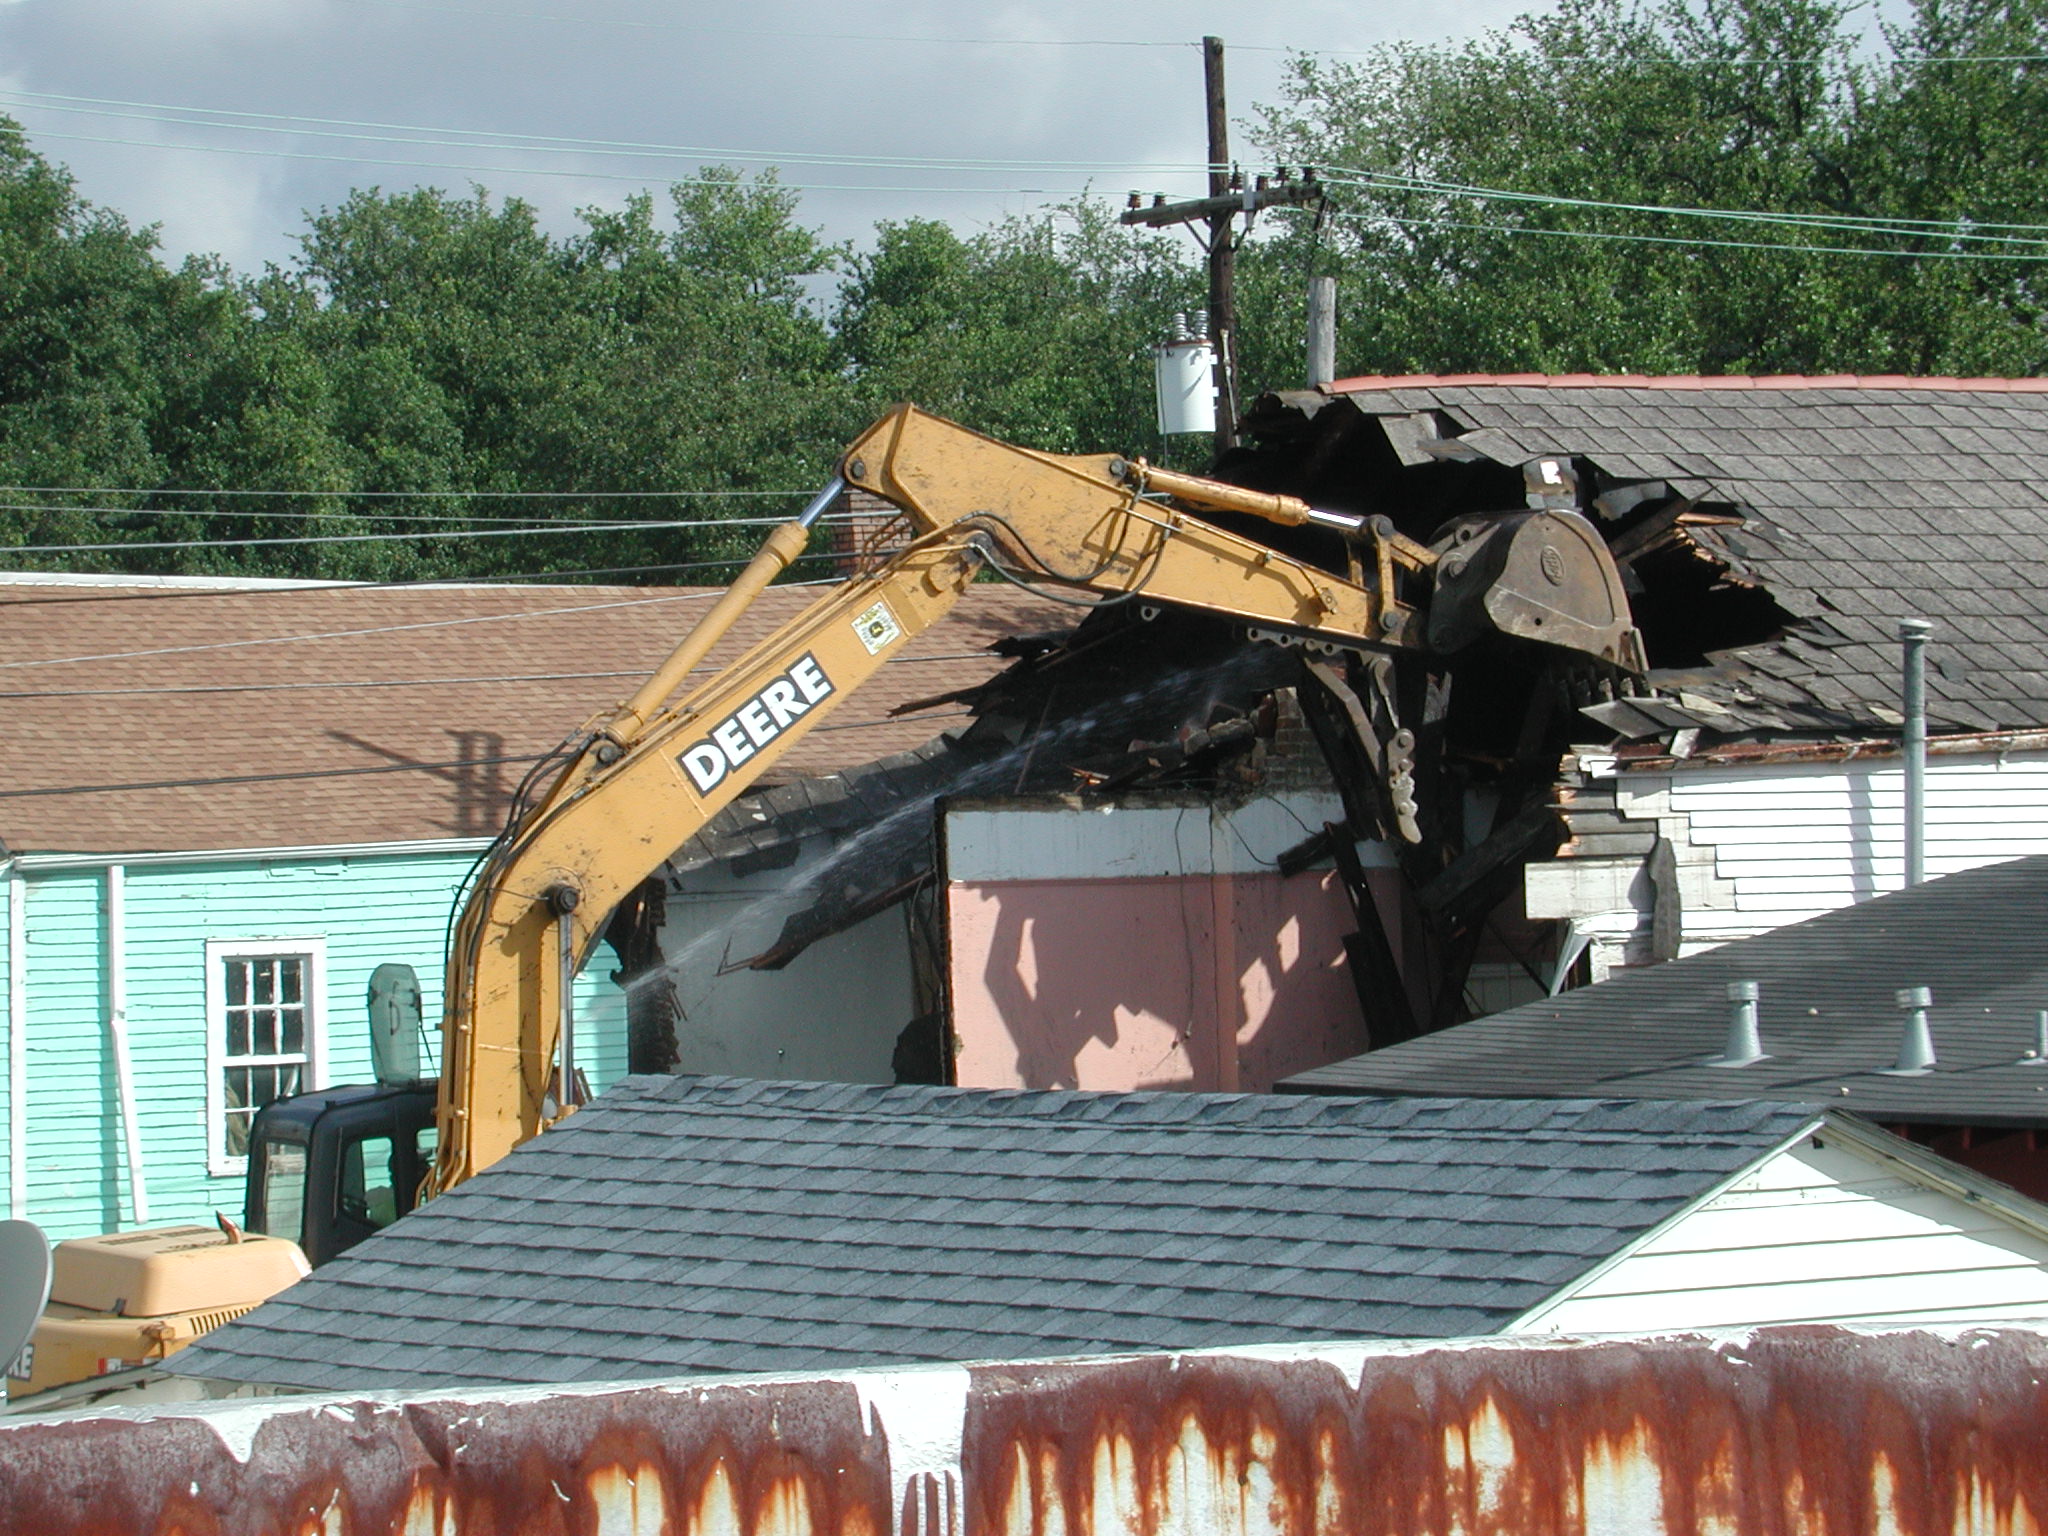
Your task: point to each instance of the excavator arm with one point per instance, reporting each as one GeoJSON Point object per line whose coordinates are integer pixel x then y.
{"type": "Point", "coordinates": [646, 776]}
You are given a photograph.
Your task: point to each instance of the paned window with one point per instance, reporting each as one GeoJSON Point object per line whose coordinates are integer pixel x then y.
{"type": "Point", "coordinates": [264, 1019]}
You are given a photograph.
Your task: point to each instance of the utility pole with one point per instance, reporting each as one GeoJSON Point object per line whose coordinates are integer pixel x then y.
{"type": "Point", "coordinates": [1322, 331]}
{"type": "Point", "coordinates": [1228, 197]}
{"type": "Point", "coordinates": [1222, 249]}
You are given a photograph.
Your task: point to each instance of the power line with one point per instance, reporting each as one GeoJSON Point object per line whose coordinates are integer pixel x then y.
{"type": "Point", "coordinates": [1691, 241]}
{"type": "Point", "coordinates": [1757, 61]}
{"type": "Point", "coordinates": [356, 538]}
{"type": "Point", "coordinates": [49, 595]}
{"type": "Point", "coordinates": [1959, 229]}
{"type": "Point", "coordinates": [1772, 61]}
{"type": "Point", "coordinates": [413, 682]}
{"type": "Point", "coordinates": [222, 780]}
{"type": "Point", "coordinates": [807, 36]}
{"type": "Point", "coordinates": [266, 778]}
{"type": "Point", "coordinates": [703, 594]}
{"type": "Point", "coordinates": [200, 490]}
{"type": "Point", "coordinates": [562, 144]}
{"type": "Point", "coordinates": [511, 170]}
{"type": "Point", "coordinates": [463, 520]}
{"type": "Point", "coordinates": [355, 634]}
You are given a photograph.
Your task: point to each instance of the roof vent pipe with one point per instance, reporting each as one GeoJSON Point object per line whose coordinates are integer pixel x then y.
{"type": "Point", "coordinates": [1745, 1045]}
{"type": "Point", "coordinates": [1916, 1044]}
{"type": "Point", "coordinates": [2038, 1056]}
{"type": "Point", "coordinates": [1913, 691]}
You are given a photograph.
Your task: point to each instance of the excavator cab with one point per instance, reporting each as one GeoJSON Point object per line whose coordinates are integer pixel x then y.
{"type": "Point", "coordinates": [329, 1168]}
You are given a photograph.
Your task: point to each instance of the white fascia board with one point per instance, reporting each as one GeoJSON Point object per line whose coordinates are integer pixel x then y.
{"type": "Point", "coordinates": [1530, 1320]}
{"type": "Point", "coordinates": [30, 862]}
{"type": "Point", "coordinates": [988, 842]}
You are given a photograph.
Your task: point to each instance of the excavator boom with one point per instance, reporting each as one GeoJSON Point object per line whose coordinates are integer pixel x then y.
{"type": "Point", "coordinates": [646, 776]}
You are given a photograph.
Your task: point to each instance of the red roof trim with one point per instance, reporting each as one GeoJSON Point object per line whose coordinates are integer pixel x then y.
{"type": "Point", "coordinates": [1681, 381]}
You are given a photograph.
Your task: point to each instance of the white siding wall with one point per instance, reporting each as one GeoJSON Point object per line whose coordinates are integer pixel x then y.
{"type": "Point", "coordinates": [1760, 847]}
{"type": "Point", "coordinates": [1818, 1233]}
{"type": "Point", "coordinates": [831, 1015]}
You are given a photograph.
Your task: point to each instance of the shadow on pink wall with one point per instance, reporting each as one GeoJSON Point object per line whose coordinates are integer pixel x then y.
{"type": "Point", "coordinates": [1222, 982]}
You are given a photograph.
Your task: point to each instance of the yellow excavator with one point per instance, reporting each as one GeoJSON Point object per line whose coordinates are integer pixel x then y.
{"type": "Point", "coordinates": [643, 777]}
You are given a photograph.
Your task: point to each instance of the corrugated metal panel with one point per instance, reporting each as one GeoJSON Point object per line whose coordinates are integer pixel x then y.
{"type": "Point", "coordinates": [1818, 1431]}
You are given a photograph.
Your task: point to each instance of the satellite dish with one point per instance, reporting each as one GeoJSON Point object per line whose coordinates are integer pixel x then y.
{"type": "Point", "coordinates": [24, 1284]}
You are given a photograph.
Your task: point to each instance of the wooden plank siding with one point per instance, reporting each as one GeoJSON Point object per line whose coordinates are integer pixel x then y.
{"type": "Point", "coordinates": [1818, 1232]}
{"type": "Point", "coordinates": [1796, 840]}
{"type": "Point", "coordinates": [366, 909]}
{"type": "Point", "coordinates": [1759, 846]}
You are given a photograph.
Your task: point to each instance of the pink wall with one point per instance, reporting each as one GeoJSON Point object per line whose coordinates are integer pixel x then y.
{"type": "Point", "coordinates": [1192, 981]}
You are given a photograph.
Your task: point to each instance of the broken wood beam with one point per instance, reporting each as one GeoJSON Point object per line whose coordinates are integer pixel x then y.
{"type": "Point", "coordinates": [1507, 846]}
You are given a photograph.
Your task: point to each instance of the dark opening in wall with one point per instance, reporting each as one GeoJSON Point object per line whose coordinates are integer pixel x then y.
{"type": "Point", "coordinates": [1688, 606]}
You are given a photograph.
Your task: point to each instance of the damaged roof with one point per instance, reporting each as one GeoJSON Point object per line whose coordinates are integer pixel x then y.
{"type": "Point", "coordinates": [1828, 1015]}
{"type": "Point", "coordinates": [695, 1225]}
{"type": "Point", "coordinates": [188, 714]}
{"type": "Point", "coordinates": [1848, 503]}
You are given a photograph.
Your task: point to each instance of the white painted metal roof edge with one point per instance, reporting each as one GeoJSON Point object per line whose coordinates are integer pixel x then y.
{"type": "Point", "coordinates": [1932, 1171]}
{"type": "Point", "coordinates": [1603, 762]}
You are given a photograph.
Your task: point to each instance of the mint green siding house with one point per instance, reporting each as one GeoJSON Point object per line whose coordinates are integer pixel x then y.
{"type": "Point", "coordinates": [152, 1001]}
{"type": "Point", "coordinates": [221, 807]}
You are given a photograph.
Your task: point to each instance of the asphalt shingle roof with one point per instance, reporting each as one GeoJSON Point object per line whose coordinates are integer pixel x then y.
{"type": "Point", "coordinates": [1866, 500]}
{"type": "Point", "coordinates": [232, 716]}
{"type": "Point", "coordinates": [693, 1225]}
{"type": "Point", "coordinates": [1827, 1012]}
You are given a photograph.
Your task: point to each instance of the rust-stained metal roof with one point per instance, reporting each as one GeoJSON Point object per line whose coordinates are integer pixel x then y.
{"type": "Point", "coordinates": [179, 717]}
{"type": "Point", "coordinates": [1816, 1431]}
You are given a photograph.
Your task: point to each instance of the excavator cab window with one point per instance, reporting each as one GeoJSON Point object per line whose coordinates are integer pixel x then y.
{"type": "Point", "coordinates": [278, 1197]}
{"type": "Point", "coordinates": [369, 1182]}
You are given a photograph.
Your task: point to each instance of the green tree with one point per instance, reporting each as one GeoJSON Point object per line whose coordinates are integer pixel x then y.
{"type": "Point", "coordinates": [467, 352]}
{"type": "Point", "coordinates": [1039, 330]}
{"type": "Point", "coordinates": [81, 303]}
{"type": "Point", "coordinates": [714, 367]}
{"type": "Point", "coordinates": [1715, 104]}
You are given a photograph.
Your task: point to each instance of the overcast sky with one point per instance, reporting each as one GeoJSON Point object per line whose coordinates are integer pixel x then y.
{"type": "Point", "coordinates": [846, 98]}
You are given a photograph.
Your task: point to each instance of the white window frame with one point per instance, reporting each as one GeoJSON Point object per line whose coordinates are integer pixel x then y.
{"type": "Point", "coordinates": [312, 1075]}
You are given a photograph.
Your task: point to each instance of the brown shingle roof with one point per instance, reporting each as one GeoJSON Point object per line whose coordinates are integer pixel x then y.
{"type": "Point", "coordinates": [212, 716]}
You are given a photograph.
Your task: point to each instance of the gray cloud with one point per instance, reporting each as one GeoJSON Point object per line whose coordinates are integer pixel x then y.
{"type": "Point", "coordinates": [784, 79]}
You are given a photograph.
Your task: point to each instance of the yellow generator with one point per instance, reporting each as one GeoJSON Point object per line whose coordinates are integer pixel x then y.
{"type": "Point", "coordinates": [132, 1298]}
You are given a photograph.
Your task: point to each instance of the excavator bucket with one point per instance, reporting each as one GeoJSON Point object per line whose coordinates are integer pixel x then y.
{"type": "Point", "coordinates": [1544, 576]}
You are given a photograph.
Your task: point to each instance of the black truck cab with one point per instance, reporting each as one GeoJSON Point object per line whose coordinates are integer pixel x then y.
{"type": "Point", "coordinates": [366, 1147]}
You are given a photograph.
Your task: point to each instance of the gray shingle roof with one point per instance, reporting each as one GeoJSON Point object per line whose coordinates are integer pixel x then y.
{"type": "Point", "coordinates": [1828, 1016]}
{"type": "Point", "coordinates": [684, 1225]}
{"type": "Point", "coordinates": [1866, 502]}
